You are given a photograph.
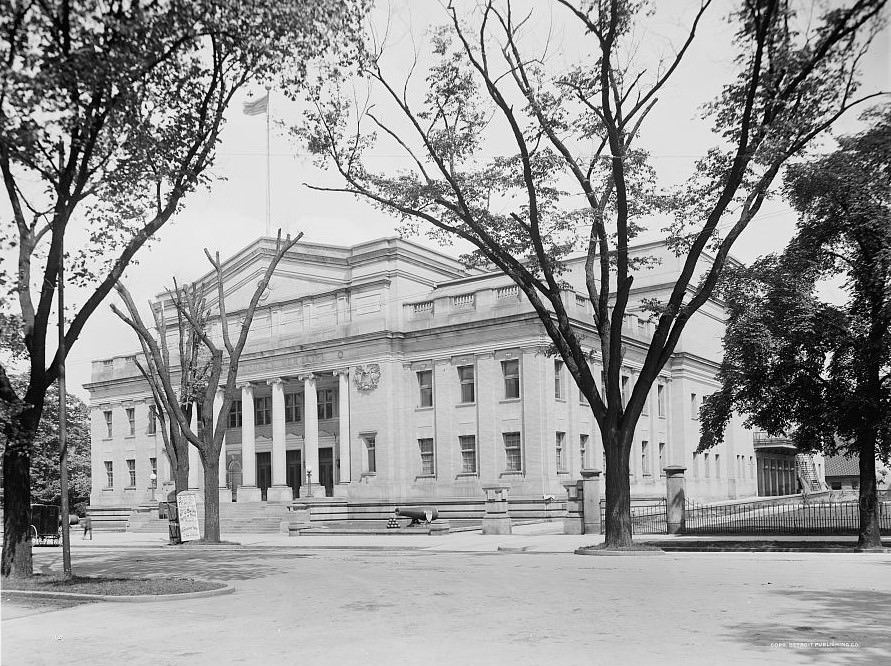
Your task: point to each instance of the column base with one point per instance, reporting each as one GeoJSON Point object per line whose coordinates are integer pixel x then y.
{"type": "Point", "coordinates": [225, 495]}
{"type": "Point", "coordinates": [499, 525]}
{"type": "Point", "coordinates": [279, 495]}
{"type": "Point", "coordinates": [592, 528]}
{"type": "Point", "coordinates": [249, 494]}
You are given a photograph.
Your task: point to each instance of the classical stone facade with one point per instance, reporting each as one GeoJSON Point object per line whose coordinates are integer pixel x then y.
{"type": "Point", "coordinates": [388, 370]}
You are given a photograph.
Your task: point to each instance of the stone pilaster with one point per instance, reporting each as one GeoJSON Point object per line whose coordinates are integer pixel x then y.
{"type": "Point", "coordinates": [344, 438]}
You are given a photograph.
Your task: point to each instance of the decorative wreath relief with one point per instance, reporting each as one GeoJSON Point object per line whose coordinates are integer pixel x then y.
{"type": "Point", "coordinates": [367, 377]}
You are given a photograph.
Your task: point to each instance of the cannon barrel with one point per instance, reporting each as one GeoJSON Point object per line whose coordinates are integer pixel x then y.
{"type": "Point", "coordinates": [417, 513]}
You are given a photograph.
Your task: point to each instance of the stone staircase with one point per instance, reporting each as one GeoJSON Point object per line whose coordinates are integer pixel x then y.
{"type": "Point", "coordinates": [109, 518]}
{"type": "Point", "coordinates": [246, 518]}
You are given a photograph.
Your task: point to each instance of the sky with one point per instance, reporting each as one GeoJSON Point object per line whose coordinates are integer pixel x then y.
{"type": "Point", "coordinates": [231, 214]}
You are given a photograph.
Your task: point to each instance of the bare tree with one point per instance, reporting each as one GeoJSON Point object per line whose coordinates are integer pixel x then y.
{"type": "Point", "coordinates": [794, 77]}
{"type": "Point", "coordinates": [191, 305]}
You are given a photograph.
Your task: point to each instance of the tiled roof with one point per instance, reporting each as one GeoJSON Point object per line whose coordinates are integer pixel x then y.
{"type": "Point", "coordinates": [840, 465]}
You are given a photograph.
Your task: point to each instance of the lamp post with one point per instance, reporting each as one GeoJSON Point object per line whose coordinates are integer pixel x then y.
{"type": "Point", "coordinates": [309, 481]}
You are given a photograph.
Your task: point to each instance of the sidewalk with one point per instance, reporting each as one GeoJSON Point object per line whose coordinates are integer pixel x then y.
{"type": "Point", "coordinates": [534, 538]}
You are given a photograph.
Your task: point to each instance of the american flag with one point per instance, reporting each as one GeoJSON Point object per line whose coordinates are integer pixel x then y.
{"type": "Point", "coordinates": [257, 106]}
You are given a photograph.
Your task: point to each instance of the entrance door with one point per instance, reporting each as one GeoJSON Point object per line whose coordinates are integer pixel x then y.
{"type": "Point", "coordinates": [326, 471]}
{"type": "Point", "coordinates": [293, 475]}
{"type": "Point", "coordinates": [264, 473]}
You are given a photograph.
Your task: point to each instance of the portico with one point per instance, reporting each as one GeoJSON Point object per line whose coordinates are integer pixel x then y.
{"type": "Point", "coordinates": [291, 434]}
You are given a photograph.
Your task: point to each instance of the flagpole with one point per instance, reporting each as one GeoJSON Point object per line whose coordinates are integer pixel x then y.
{"type": "Point", "coordinates": [268, 195]}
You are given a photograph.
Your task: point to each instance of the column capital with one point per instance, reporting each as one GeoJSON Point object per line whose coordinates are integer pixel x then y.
{"type": "Point", "coordinates": [306, 377]}
{"type": "Point", "coordinates": [341, 372]}
{"type": "Point", "coordinates": [246, 386]}
{"type": "Point", "coordinates": [275, 381]}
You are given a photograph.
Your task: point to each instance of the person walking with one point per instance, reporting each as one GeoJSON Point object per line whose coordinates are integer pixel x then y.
{"type": "Point", "coordinates": [88, 527]}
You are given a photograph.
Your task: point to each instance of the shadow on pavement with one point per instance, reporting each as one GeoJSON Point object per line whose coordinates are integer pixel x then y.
{"type": "Point", "coordinates": [831, 616]}
{"type": "Point", "coordinates": [226, 565]}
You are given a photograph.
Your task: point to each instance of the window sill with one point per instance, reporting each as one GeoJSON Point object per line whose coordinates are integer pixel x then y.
{"type": "Point", "coordinates": [515, 473]}
{"type": "Point", "coordinates": [108, 489]}
{"type": "Point", "coordinates": [559, 399]}
{"type": "Point", "coordinates": [466, 404]}
{"type": "Point", "coordinates": [424, 409]}
{"type": "Point", "coordinates": [107, 439]}
{"type": "Point", "coordinates": [464, 475]}
{"type": "Point", "coordinates": [421, 477]}
{"type": "Point", "coordinates": [130, 488]}
{"type": "Point", "coordinates": [366, 474]}
{"type": "Point", "coordinates": [130, 436]}
{"type": "Point", "coordinates": [509, 400]}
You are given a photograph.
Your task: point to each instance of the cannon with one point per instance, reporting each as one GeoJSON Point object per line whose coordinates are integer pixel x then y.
{"type": "Point", "coordinates": [418, 513]}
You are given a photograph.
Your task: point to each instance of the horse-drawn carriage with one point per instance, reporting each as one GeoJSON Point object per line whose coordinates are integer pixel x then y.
{"type": "Point", "coordinates": [46, 525]}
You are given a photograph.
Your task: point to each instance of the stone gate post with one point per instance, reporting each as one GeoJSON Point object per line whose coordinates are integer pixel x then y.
{"type": "Point", "coordinates": [591, 500]}
{"type": "Point", "coordinates": [497, 518]}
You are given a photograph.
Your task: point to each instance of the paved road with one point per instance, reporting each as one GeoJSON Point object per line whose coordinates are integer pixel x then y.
{"type": "Point", "coordinates": [298, 606]}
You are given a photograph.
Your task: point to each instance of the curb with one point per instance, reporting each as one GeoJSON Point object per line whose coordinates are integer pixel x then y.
{"type": "Point", "coordinates": [133, 598]}
{"type": "Point", "coordinates": [588, 550]}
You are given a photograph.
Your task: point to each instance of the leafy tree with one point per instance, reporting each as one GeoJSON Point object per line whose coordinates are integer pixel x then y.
{"type": "Point", "coordinates": [575, 163]}
{"type": "Point", "coordinates": [45, 461]}
{"type": "Point", "coordinates": [110, 114]}
{"type": "Point", "coordinates": [192, 305]}
{"type": "Point", "coordinates": [797, 364]}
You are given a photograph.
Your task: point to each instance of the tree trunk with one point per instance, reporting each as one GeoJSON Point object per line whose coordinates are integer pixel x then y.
{"type": "Point", "coordinates": [180, 462]}
{"type": "Point", "coordinates": [869, 537]}
{"type": "Point", "coordinates": [16, 561]}
{"type": "Point", "coordinates": [618, 493]}
{"type": "Point", "coordinates": [212, 499]}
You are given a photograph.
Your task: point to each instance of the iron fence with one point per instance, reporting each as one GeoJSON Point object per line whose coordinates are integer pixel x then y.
{"type": "Point", "coordinates": [648, 517]}
{"type": "Point", "coordinates": [800, 518]}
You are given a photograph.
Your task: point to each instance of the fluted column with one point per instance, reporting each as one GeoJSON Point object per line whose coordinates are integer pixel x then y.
{"type": "Point", "coordinates": [279, 491]}
{"type": "Point", "coordinates": [248, 490]}
{"type": "Point", "coordinates": [343, 410]}
{"type": "Point", "coordinates": [310, 438]}
{"type": "Point", "coordinates": [225, 493]}
{"type": "Point", "coordinates": [196, 471]}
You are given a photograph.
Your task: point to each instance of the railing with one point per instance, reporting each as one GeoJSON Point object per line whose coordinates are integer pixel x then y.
{"type": "Point", "coordinates": [422, 308]}
{"type": "Point", "coordinates": [507, 293]}
{"type": "Point", "coordinates": [649, 517]}
{"type": "Point", "coordinates": [463, 302]}
{"type": "Point", "coordinates": [797, 518]}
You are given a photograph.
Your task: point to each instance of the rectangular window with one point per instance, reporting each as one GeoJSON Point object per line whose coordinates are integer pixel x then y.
{"type": "Point", "coordinates": [428, 463]}
{"type": "Point", "coordinates": [694, 407]}
{"type": "Point", "coordinates": [327, 404]}
{"type": "Point", "coordinates": [561, 457]}
{"type": "Point", "coordinates": [625, 396]}
{"type": "Point", "coordinates": [235, 414]}
{"type": "Point", "coordinates": [109, 474]}
{"type": "Point", "coordinates": [108, 423]}
{"type": "Point", "coordinates": [513, 454]}
{"type": "Point", "coordinates": [293, 407]}
{"type": "Point", "coordinates": [645, 467]}
{"type": "Point", "coordinates": [511, 372]}
{"type": "Point", "coordinates": [468, 454]}
{"type": "Point", "coordinates": [468, 383]}
{"type": "Point", "coordinates": [558, 380]}
{"type": "Point", "coordinates": [131, 469]}
{"type": "Point", "coordinates": [661, 458]}
{"type": "Point", "coordinates": [263, 411]}
{"type": "Point", "coordinates": [131, 421]}
{"type": "Point", "coordinates": [717, 466]}
{"type": "Point", "coordinates": [708, 466]}
{"type": "Point", "coordinates": [425, 388]}
{"type": "Point", "coordinates": [660, 399]}
{"type": "Point", "coordinates": [152, 420]}
{"type": "Point", "coordinates": [583, 451]}
{"type": "Point", "coordinates": [153, 480]}
{"type": "Point", "coordinates": [370, 454]}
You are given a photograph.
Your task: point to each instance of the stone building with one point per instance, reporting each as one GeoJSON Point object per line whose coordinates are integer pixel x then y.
{"type": "Point", "coordinates": [389, 371]}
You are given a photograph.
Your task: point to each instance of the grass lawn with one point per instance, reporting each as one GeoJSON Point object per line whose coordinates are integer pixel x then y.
{"type": "Point", "coordinates": [109, 586]}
